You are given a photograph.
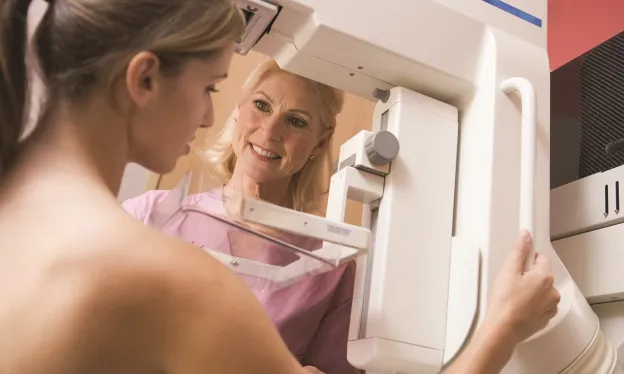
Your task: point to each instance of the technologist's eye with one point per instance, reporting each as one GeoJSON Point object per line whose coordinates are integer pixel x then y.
{"type": "Point", "coordinates": [261, 105]}
{"type": "Point", "coordinates": [296, 121]}
{"type": "Point", "coordinates": [211, 89]}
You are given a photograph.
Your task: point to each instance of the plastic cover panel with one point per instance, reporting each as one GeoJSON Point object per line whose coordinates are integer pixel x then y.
{"type": "Point", "coordinates": [209, 218]}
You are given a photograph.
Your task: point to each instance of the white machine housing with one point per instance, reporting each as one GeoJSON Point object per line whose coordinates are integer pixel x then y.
{"type": "Point", "coordinates": [453, 194]}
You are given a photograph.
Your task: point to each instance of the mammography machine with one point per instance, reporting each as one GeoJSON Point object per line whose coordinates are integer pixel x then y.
{"type": "Point", "coordinates": [457, 162]}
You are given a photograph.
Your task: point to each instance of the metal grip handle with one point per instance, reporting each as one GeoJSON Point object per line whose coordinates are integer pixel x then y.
{"type": "Point", "coordinates": [528, 156]}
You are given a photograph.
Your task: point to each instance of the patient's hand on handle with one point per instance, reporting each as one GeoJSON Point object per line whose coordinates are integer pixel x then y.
{"type": "Point", "coordinates": [521, 304]}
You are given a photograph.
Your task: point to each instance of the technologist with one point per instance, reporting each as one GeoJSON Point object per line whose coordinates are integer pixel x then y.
{"type": "Point", "coordinates": [103, 293]}
{"type": "Point", "coordinates": [276, 147]}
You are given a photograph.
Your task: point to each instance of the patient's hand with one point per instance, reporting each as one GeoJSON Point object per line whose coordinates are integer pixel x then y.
{"type": "Point", "coordinates": [523, 302]}
{"type": "Point", "coordinates": [311, 370]}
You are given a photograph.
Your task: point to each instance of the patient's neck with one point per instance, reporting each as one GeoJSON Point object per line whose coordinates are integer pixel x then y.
{"type": "Point", "coordinates": [275, 192]}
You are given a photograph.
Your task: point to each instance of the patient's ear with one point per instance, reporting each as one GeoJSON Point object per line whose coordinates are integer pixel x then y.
{"type": "Point", "coordinates": [143, 78]}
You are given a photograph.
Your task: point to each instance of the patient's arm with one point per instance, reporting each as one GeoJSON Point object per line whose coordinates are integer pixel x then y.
{"type": "Point", "coordinates": [221, 327]}
{"type": "Point", "coordinates": [488, 353]}
{"type": "Point", "coordinates": [168, 307]}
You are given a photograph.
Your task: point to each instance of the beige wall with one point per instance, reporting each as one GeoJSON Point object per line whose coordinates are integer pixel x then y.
{"type": "Point", "coordinates": [355, 116]}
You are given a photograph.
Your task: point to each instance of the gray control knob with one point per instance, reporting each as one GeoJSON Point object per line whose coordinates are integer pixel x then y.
{"type": "Point", "coordinates": [381, 148]}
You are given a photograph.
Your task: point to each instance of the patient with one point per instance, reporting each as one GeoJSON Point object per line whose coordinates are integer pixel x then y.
{"type": "Point", "coordinates": [276, 147]}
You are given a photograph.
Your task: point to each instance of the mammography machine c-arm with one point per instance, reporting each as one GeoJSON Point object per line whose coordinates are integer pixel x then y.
{"type": "Point", "coordinates": [463, 86]}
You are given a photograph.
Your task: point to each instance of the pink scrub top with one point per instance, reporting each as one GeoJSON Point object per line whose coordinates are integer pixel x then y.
{"type": "Point", "coordinates": [312, 315]}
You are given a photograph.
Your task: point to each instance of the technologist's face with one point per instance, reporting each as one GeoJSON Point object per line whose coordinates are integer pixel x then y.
{"type": "Point", "coordinates": [277, 129]}
{"type": "Point", "coordinates": [164, 127]}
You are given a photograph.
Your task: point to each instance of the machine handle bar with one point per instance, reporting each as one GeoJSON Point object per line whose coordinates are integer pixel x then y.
{"type": "Point", "coordinates": [528, 156]}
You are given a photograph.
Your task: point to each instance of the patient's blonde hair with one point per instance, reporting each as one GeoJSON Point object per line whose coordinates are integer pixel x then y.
{"type": "Point", "coordinates": [310, 183]}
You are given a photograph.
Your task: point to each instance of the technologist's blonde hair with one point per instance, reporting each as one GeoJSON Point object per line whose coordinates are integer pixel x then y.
{"type": "Point", "coordinates": [310, 183]}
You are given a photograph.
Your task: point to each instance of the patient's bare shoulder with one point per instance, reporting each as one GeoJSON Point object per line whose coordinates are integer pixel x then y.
{"type": "Point", "coordinates": [166, 306]}
{"type": "Point", "coordinates": [117, 304]}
